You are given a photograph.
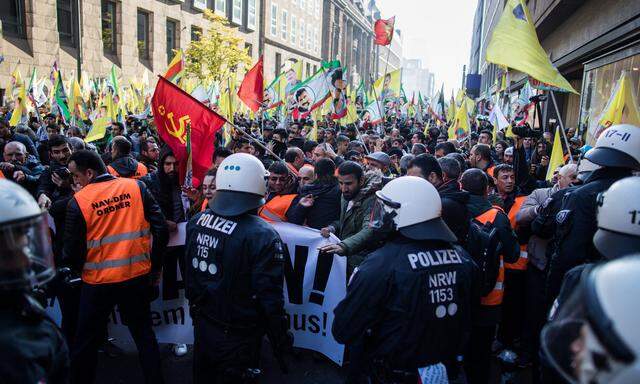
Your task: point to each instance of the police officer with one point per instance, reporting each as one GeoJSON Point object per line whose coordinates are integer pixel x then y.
{"type": "Point", "coordinates": [617, 151]}
{"type": "Point", "coordinates": [32, 348]}
{"type": "Point", "coordinates": [408, 305]}
{"type": "Point", "coordinates": [234, 277]}
{"type": "Point", "coordinates": [594, 338]}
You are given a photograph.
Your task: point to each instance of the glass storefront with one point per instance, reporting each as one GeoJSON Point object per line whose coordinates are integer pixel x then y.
{"type": "Point", "coordinates": [600, 77]}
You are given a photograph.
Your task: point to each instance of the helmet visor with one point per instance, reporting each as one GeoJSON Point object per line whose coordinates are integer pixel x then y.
{"type": "Point", "coordinates": [382, 213]}
{"type": "Point", "coordinates": [573, 345]}
{"type": "Point", "coordinates": [26, 259]}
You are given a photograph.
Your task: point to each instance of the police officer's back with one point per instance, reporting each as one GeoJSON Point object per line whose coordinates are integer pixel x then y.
{"type": "Point", "coordinates": [409, 303]}
{"type": "Point", "coordinates": [234, 276]}
{"type": "Point", "coordinates": [32, 348]}
{"type": "Point", "coordinates": [618, 152]}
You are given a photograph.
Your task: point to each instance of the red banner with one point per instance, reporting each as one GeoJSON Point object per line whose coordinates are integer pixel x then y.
{"type": "Point", "coordinates": [383, 30]}
{"type": "Point", "coordinates": [250, 91]}
{"type": "Point", "coordinates": [173, 109]}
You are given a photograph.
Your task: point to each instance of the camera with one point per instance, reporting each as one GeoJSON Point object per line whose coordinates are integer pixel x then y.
{"type": "Point", "coordinates": [526, 131]}
{"type": "Point", "coordinates": [62, 172]}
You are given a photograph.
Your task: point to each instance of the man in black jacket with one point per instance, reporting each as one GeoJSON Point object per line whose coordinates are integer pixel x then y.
{"type": "Point", "coordinates": [122, 162]}
{"type": "Point", "coordinates": [319, 202]}
{"type": "Point", "coordinates": [454, 200]}
{"type": "Point", "coordinates": [98, 250]}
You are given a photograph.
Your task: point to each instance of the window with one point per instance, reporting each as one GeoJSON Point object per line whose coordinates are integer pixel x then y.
{"type": "Point", "coordinates": [236, 15]}
{"type": "Point", "coordinates": [143, 35]}
{"type": "Point", "coordinates": [284, 23]}
{"type": "Point", "coordinates": [109, 26]}
{"type": "Point", "coordinates": [309, 37]}
{"type": "Point", "coordinates": [302, 31]}
{"type": "Point", "coordinates": [294, 29]}
{"type": "Point", "coordinates": [315, 39]}
{"type": "Point", "coordinates": [11, 14]}
{"type": "Point", "coordinates": [251, 14]}
{"type": "Point", "coordinates": [172, 38]}
{"type": "Point", "coordinates": [309, 70]}
{"type": "Point", "coordinates": [220, 7]}
{"type": "Point", "coordinates": [274, 19]}
{"type": "Point", "coordinates": [66, 27]}
{"type": "Point", "coordinates": [317, 8]}
{"type": "Point", "coordinates": [278, 63]}
{"type": "Point", "coordinates": [310, 7]}
{"type": "Point", "coordinates": [303, 4]}
{"type": "Point", "coordinates": [196, 33]}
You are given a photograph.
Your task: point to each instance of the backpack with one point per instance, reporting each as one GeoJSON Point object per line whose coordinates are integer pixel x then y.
{"type": "Point", "coordinates": [484, 246]}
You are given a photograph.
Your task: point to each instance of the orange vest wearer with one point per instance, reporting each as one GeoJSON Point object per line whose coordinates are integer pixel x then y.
{"type": "Point", "coordinates": [276, 208]}
{"type": "Point", "coordinates": [523, 260]}
{"type": "Point", "coordinates": [497, 293]}
{"type": "Point", "coordinates": [118, 235]}
{"type": "Point", "coordinates": [140, 171]}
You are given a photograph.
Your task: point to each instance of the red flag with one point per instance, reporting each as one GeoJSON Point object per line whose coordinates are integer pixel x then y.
{"type": "Point", "coordinates": [384, 31]}
{"type": "Point", "coordinates": [251, 88]}
{"type": "Point", "coordinates": [173, 109]}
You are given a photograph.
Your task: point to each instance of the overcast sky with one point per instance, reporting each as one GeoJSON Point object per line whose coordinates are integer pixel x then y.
{"type": "Point", "coordinates": [436, 31]}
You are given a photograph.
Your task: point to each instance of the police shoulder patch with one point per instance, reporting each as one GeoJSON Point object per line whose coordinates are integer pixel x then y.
{"type": "Point", "coordinates": [562, 216]}
{"type": "Point", "coordinates": [278, 254]}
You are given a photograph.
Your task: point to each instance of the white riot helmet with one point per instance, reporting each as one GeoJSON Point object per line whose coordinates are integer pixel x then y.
{"type": "Point", "coordinates": [617, 146]}
{"type": "Point", "coordinates": [412, 206]}
{"type": "Point", "coordinates": [619, 219]}
{"type": "Point", "coordinates": [26, 259]}
{"type": "Point", "coordinates": [595, 337]}
{"type": "Point", "coordinates": [586, 167]}
{"type": "Point", "coordinates": [240, 185]}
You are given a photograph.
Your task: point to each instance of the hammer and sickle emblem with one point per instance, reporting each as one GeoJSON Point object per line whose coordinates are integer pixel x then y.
{"type": "Point", "coordinates": [161, 110]}
{"type": "Point", "coordinates": [178, 132]}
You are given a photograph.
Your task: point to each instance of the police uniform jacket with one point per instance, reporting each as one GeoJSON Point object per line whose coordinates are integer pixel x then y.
{"type": "Point", "coordinates": [577, 223]}
{"type": "Point", "coordinates": [410, 303]}
{"type": "Point", "coordinates": [234, 271]}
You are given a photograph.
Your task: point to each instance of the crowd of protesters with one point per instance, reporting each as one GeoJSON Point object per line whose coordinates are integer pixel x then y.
{"type": "Point", "coordinates": [324, 176]}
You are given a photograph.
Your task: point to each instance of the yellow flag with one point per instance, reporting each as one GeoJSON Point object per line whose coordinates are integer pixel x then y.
{"type": "Point", "coordinates": [98, 130]}
{"type": "Point", "coordinates": [514, 44]}
{"type": "Point", "coordinates": [622, 106]}
{"type": "Point", "coordinates": [460, 127]}
{"type": "Point", "coordinates": [451, 113]}
{"type": "Point", "coordinates": [557, 156]}
{"type": "Point", "coordinates": [20, 107]}
{"type": "Point", "coordinates": [76, 103]}
{"type": "Point", "coordinates": [352, 114]}
{"type": "Point", "coordinates": [388, 86]}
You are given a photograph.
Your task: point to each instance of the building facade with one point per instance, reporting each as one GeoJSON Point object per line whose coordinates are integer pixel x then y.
{"type": "Point", "coordinates": [136, 36]}
{"type": "Point", "coordinates": [417, 79]}
{"type": "Point", "coordinates": [590, 42]}
{"type": "Point", "coordinates": [347, 30]}
{"type": "Point", "coordinates": [291, 33]}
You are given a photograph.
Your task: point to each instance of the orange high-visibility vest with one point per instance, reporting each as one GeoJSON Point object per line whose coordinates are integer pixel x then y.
{"type": "Point", "coordinates": [497, 293]}
{"type": "Point", "coordinates": [2, 175]}
{"type": "Point", "coordinates": [118, 235]}
{"type": "Point", "coordinates": [140, 171]}
{"type": "Point", "coordinates": [276, 208]}
{"type": "Point", "coordinates": [523, 259]}
{"type": "Point", "coordinates": [204, 206]}
{"type": "Point", "coordinates": [490, 170]}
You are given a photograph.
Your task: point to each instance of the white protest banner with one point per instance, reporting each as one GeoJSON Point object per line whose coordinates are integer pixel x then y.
{"type": "Point", "coordinates": [314, 285]}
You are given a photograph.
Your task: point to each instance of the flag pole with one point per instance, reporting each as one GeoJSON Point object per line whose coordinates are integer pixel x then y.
{"type": "Point", "coordinates": [563, 134]}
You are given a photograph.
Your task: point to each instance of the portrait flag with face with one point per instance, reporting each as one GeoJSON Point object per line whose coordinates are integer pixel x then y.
{"type": "Point", "coordinates": [173, 110]}
{"type": "Point", "coordinates": [383, 30]}
{"type": "Point", "coordinates": [313, 92]}
{"type": "Point", "coordinates": [387, 87]}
